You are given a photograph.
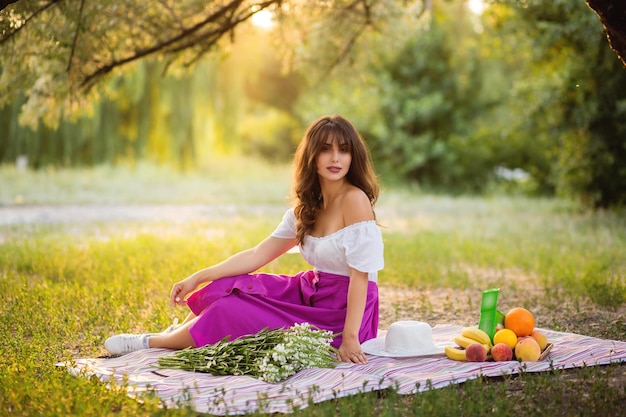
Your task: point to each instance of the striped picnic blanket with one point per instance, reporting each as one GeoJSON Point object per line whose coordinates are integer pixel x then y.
{"type": "Point", "coordinates": [228, 395]}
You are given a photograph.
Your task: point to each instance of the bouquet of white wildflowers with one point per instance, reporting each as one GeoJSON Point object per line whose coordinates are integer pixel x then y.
{"type": "Point", "coordinates": [269, 355]}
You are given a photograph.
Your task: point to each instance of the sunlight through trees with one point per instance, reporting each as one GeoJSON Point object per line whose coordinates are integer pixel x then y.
{"type": "Point", "coordinates": [449, 94]}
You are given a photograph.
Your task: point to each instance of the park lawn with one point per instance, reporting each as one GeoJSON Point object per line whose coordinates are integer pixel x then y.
{"type": "Point", "coordinates": [66, 287]}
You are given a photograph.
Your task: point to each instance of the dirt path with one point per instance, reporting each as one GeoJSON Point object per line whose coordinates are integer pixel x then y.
{"type": "Point", "coordinates": [51, 214]}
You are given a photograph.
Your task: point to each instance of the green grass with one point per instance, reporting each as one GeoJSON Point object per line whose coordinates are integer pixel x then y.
{"type": "Point", "coordinates": [223, 180]}
{"type": "Point", "coordinates": [548, 242]}
{"type": "Point", "coordinates": [66, 287]}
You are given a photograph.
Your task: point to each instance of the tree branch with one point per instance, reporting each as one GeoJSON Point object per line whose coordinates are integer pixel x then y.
{"type": "Point", "coordinates": [186, 39]}
{"type": "Point", "coordinates": [167, 7]}
{"type": "Point", "coordinates": [367, 21]}
{"type": "Point", "coordinates": [28, 19]}
{"type": "Point", "coordinates": [217, 34]}
{"type": "Point", "coordinates": [78, 25]}
{"type": "Point", "coordinates": [88, 82]}
{"type": "Point", "coordinates": [345, 51]}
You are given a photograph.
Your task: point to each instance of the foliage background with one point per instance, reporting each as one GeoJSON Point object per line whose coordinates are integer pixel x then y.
{"type": "Point", "coordinates": [453, 96]}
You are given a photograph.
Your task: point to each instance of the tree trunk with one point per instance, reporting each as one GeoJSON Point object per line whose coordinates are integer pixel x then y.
{"type": "Point", "coordinates": [612, 13]}
{"type": "Point", "coordinates": [5, 3]}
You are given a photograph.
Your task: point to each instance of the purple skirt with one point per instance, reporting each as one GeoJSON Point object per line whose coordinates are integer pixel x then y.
{"type": "Point", "coordinates": [245, 304]}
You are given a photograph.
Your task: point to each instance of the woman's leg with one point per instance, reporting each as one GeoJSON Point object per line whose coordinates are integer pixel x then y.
{"type": "Point", "coordinates": [176, 324]}
{"type": "Point", "coordinates": [189, 317]}
{"type": "Point", "coordinates": [179, 338]}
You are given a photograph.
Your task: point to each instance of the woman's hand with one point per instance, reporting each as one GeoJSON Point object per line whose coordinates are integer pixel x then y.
{"type": "Point", "coordinates": [181, 289]}
{"type": "Point", "coordinates": [350, 351]}
{"type": "Point", "coordinates": [240, 263]}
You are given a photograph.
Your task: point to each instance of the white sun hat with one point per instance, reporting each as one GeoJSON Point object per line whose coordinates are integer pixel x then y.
{"type": "Point", "coordinates": [404, 339]}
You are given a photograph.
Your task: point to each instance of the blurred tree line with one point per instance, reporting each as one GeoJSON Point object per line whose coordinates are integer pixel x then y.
{"type": "Point", "coordinates": [521, 95]}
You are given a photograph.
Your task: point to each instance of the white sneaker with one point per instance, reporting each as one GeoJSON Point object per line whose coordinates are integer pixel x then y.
{"type": "Point", "coordinates": [122, 344]}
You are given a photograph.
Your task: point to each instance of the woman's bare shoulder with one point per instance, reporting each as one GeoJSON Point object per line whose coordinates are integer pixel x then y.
{"type": "Point", "coordinates": [356, 207]}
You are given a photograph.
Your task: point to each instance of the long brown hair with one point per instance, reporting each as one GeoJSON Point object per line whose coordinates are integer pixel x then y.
{"type": "Point", "coordinates": [307, 190]}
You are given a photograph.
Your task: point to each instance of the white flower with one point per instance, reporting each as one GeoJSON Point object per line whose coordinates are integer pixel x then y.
{"type": "Point", "coordinates": [270, 355]}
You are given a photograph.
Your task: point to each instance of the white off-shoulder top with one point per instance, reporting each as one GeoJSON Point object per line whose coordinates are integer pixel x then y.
{"type": "Point", "coordinates": [359, 246]}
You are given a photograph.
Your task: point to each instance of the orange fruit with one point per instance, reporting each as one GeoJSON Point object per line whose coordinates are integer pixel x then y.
{"type": "Point", "coordinates": [520, 320]}
{"type": "Point", "coordinates": [506, 336]}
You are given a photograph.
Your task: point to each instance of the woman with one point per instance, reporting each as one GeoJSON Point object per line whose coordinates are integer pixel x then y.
{"type": "Point", "coordinates": [333, 223]}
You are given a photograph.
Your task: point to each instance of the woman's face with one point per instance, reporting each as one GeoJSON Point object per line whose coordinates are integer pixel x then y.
{"type": "Point", "coordinates": [333, 162]}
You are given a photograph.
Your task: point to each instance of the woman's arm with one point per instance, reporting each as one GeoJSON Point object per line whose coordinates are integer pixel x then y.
{"type": "Point", "coordinates": [350, 349]}
{"type": "Point", "coordinates": [356, 208]}
{"type": "Point", "coordinates": [241, 263]}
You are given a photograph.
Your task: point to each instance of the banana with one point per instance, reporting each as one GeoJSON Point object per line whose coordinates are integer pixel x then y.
{"type": "Point", "coordinates": [477, 334]}
{"type": "Point", "coordinates": [464, 342]}
{"type": "Point", "coordinates": [455, 353]}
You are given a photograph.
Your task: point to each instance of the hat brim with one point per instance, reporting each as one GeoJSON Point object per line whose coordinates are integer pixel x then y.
{"type": "Point", "coordinates": [376, 347]}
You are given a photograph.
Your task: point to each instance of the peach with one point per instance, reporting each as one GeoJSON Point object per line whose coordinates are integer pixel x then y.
{"type": "Point", "coordinates": [527, 349]}
{"type": "Point", "coordinates": [501, 352]}
{"type": "Point", "coordinates": [541, 338]}
{"type": "Point", "coordinates": [476, 352]}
